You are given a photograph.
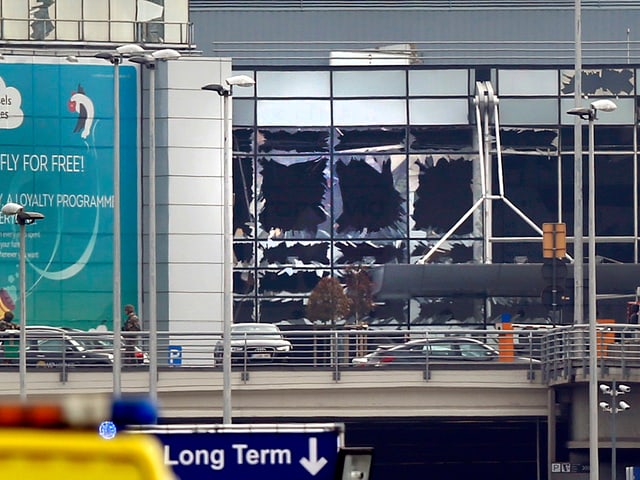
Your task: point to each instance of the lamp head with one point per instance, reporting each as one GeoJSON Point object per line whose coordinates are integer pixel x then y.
{"type": "Point", "coordinates": [105, 56]}
{"type": "Point", "coordinates": [129, 49]}
{"type": "Point", "coordinates": [12, 209]}
{"type": "Point", "coordinates": [216, 87]}
{"type": "Point", "coordinates": [240, 81]}
{"type": "Point", "coordinates": [166, 54]}
{"type": "Point", "coordinates": [604, 105]}
{"type": "Point", "coordinates": [583, 113]}
{"type": "Point", "coordinates": [146, 59]}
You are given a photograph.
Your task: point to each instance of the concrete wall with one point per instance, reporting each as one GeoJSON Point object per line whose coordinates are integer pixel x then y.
{"type": "Point", "coordinates": [189, 172]}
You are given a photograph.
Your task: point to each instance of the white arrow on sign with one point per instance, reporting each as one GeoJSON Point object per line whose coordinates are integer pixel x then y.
{"type": "Point", "coordinates": [313, 464]}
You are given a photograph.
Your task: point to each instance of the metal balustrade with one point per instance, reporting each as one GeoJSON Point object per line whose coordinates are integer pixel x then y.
{"type": "Point", "coordinates": [84, 359]}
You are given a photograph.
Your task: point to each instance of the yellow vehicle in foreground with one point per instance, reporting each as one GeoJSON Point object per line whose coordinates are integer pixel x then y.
{"type": "Point", "coordinates": [38, 443]}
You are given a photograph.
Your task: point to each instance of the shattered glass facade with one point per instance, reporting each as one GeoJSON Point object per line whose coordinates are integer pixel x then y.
{"type": "Point", "coordinates": [370, 166]}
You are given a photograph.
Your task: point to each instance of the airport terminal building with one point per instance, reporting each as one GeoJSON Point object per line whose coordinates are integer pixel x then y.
{"type": "Point", "coordinates": [377, 134]}
{"type": "Point", "coordinates": [369, 140]}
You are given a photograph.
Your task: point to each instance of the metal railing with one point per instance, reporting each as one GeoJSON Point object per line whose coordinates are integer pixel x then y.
{"type": "Point", "coordinates": [89, 31]}
{"type": "Point", "coordinates": [565, 352]}
{"type": "Point", "coordinates": [50, 347]}
{"type": "Point", "coordinates": [541, 355]}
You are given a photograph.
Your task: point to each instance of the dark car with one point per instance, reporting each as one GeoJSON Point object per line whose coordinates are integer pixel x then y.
{"type": "Point", "coordinates": [103, 342]}
{"type": "Point", "coordinates": [435, 350]}
{"type": "Point", "coordinates": [254, 342]}
{"type": "Point", "coordinates": [51, 347]}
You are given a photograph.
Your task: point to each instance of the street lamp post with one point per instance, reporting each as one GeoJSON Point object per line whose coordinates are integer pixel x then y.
{"type": "Point", "coordinates": [150, 62]}
{"type": "Point", "coordinates": [591, 114]}
{"type": "Point", "coordinates": [614, 408]}
{"type": "Point", "coordinates": [22, 218]}
{"type": "Point", "coordinates": [226, 91]}
{"type": "Point", "coordinates": [115, 58]}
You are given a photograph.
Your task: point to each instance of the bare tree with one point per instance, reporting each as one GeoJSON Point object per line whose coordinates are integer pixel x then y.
{"type": "Point", "coordinates": [328, 302]}
{"type": "Point", "coordinates": [359, 292]}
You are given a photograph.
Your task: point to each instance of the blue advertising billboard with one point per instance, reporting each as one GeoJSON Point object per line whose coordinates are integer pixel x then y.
{"type": "Point", "coordinates": [56, 158]}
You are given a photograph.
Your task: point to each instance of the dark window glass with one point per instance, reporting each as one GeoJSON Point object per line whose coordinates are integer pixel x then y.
{"type": "Point", "coordinates": [243, 140]}
{"type": "Point", "coordinates": [531, 186]}
{"type": "Point", "coordinates": [292, 195]}
{"type": "Point", "coordinates": [365, 140]}
{"type": "Point", "coordinates": [439, 139]}
{"type": "Point", "coordinates": [367, 201]}
{"type": "Point", "coordinates": [370, 253]}
{"type": "Point", "coordinates": [243, 216]}
{"type": "Point", "coordinates": [287, 282]}
{"type": "Point", "coordinates": [292, 253]}
{"type": "Point", "coordinates": [293, 141]}
{"type": "Point", "coordinates": [443, 195]}
{"type": "Point", "coordinates": [607, 137]}
{"type": "Point", "coordinates": [529, 139]}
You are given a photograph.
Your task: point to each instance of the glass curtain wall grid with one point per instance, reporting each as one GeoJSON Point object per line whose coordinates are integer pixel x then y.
{"type": "Point", "coordinates": [96, 21]}
{"type": "Point", "coordinates": [338, 167]}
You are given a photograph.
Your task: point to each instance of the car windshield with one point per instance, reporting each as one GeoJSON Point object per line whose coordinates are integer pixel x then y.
{"type": "Point", "coordinates": [255, 331]}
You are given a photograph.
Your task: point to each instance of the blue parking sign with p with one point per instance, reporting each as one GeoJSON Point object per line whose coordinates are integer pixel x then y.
{"type": "Point", "coordinates": [175, 355]}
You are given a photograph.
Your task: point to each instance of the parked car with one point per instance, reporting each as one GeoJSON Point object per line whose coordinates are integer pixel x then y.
{"type": "Point", "coordinates": [254, 342]}
{"type": "Point", "coordinates": [51, 347]}
{"type": "Point", "coordinates": [435, 350]}
{"type": "Point", "coordinates": [103, 342]}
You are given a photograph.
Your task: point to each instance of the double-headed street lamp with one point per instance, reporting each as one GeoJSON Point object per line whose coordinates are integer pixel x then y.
{"type": "Point", "coordinates": [591, 114]}
{"type": "Point", "coordinates": [150, 61]}
{"type": "Point", "coordinates": [22, 218]}
{"type": "Point", "coordinates": [614, 408]}
{"type": "Point", "coordinates": [226, 91]}
{"type": "Point", "coordinates": [116, 58]}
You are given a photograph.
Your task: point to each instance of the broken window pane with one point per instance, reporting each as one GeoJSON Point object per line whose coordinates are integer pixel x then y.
{"type": "Point", "coordinates": [608, 81]}
{"type": "Point", "coordinates": [292, 197]}
{"type": "Point", "coordinates": [390, 314]}
{"type": "Point", "coordinates": [286, 312]}
{"type": "Point", "coordinates": [441, 139]}
{"type": "Point", "coordinates": [369, 140]}
{"type": "Point", "coordinates": [243, 214]}
{"type": "Point", "coordinates": [529, 139]}
{"type": "Point", "coordinates": [243, 253]}
{"type": "Point", "coordinates": [451, 251]}
{"type": "Point", "coordinates": [290, 253]}
{"type": "Point", "coordinates": [531, 186]}
{"type": "Point", "coordinates": [287, 281]}
{"type": "Point", "coordinates": [370, 198]}
{"type": "Point", "coordinates": [368, 253]}
{"type": "Point", "coordinates": [293, 140]}
{"type": "Point", "coordinates": [244, 282]}
{"type": "Point", "coordinates": [244, 311]}
{"type": "Point", "coordinates": [433, 311]}
{"type": "Point", "coordinates": [243, 140]}
{"type": "Point", "coordinates": [443, 194]}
